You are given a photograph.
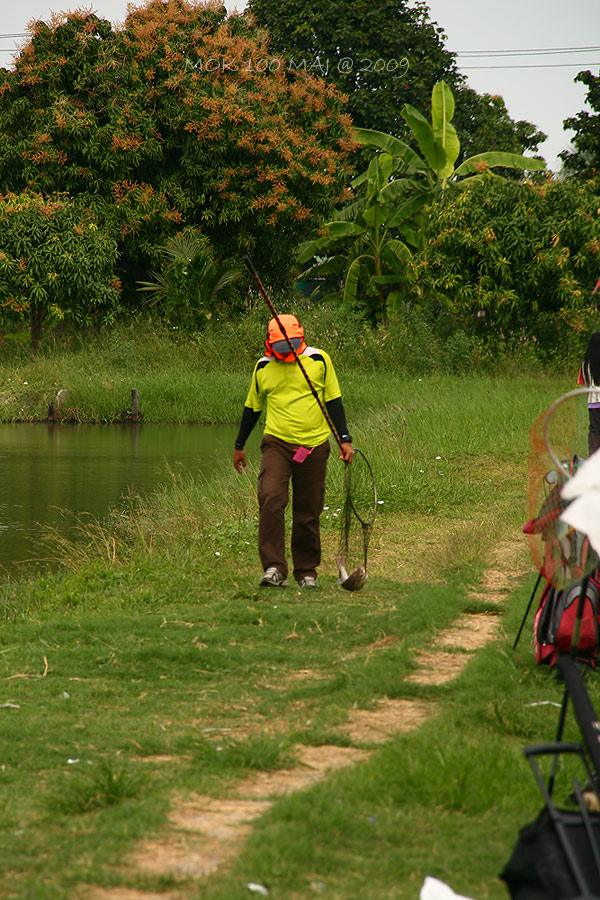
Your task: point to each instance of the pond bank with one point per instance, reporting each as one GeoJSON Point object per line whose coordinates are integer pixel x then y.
{"type": "Point", "coordinates": [56, 476]}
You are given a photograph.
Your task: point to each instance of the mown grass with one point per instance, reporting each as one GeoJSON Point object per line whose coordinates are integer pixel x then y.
{"type": "Point", "coordinates": [124, 674]}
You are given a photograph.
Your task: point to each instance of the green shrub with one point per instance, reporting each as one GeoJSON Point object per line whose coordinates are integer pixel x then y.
{"type": "Point", "coordinates": [513, 265]}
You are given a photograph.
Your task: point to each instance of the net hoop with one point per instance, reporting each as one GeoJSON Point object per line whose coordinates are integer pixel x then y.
{"type": "Point", "coordinates": [561, 553]}
{"type": "Point", "coordinates": [348, 479]}
{"type": "Point", "coordinates": [548, 417]}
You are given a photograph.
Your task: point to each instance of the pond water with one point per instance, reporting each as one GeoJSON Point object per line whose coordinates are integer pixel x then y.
{"type": "Point", "coordinates": [48, 469]}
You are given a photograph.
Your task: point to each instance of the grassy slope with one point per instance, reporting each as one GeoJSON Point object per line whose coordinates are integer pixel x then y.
{"type": "Point", "coordinates": [159, 635]}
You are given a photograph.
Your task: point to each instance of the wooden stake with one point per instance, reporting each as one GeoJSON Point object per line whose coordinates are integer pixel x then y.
{"type": "Point", "coordinates": [135, 405]}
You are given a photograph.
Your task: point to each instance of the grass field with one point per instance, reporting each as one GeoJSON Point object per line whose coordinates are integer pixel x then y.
{"type": "Point", "coordinates": [153, 672]}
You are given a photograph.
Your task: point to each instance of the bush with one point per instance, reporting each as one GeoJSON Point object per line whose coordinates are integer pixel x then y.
{"type": "Point", "coordinates": [513, 265]}
{"type": "Point", "coordinates": [55, 264]}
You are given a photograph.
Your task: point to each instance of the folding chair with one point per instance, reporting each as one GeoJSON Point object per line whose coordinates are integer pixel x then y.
{"type": "Point", "coordinates": [557, 857]}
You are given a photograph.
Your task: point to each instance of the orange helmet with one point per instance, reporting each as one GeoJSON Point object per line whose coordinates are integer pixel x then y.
{"type": "Point", "coordinates": [276, 342]}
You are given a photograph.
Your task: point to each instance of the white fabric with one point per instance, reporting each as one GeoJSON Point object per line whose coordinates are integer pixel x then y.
{"type": "Point", "coordinates": [583, 489]}
{"type": "Point", "coordinates": [586, 478]}
{"type": "Point", "coordinates": [436, 890]}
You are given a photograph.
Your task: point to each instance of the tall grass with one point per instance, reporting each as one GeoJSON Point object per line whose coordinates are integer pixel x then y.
{"type": "Point", "coordinates": [439, 449]}
{"type": "Point", "coordinates": [203, 377]}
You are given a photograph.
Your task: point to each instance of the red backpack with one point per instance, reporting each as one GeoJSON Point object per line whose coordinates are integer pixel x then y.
{"type": "Point", "coordinates": [554, 623]}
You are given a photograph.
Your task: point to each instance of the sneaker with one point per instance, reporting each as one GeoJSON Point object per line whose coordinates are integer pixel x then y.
{"type": "Point", "coordinates": [308, 581]}
{"type": "Point", "coordinates": [273, 577]}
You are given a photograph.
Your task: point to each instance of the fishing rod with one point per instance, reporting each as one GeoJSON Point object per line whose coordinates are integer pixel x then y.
{"type": "Point", "coordinates": [313, 390]}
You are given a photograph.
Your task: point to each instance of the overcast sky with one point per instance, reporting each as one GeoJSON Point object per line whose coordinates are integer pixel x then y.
{"type": "Point", "coordinates": [536, 86]}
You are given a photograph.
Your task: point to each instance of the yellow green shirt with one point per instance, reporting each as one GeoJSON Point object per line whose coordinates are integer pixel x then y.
{"type": "Point", "coordinates": [293, 414]}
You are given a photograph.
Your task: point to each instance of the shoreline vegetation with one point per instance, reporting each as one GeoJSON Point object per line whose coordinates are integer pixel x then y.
{"type": "Point", "coordinates": [202, 378]}
{"type": "Point", "coordinates": [152, 669]}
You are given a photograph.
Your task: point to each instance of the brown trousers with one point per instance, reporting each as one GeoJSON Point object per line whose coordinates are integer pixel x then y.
{"type": "Point", "coordinates": [308, 496]}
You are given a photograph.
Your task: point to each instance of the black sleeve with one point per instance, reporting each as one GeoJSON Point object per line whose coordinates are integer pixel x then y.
{"type": "Point", "coordinates": [337, 414]}
{"type": "Point", "coordinates": [249, 420]}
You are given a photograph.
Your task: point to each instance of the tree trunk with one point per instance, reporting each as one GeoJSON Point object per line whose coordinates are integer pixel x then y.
{"type": "Point", "coordinates": [36, 320]}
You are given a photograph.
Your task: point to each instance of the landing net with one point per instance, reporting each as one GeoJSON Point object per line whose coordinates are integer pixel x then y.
{"type": "Point", "coordinates": [558, 445]}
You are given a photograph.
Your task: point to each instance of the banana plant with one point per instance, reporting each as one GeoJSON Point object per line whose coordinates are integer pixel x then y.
{"type": "Point", "coordinates": [371, 241]}
{"type": "Point", "coordinates": [440, 147]}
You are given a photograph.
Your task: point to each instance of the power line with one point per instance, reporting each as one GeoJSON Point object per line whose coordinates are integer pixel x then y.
{"type": "Point", "coordinates": [519, 52]}
{"type": "Point", "coordinates": [468, 54]}
{"type": "Point", "coordinates": [532, 51]}
{"type": "Point", "coordinates": [538, 66]}
{"type": "Point", "coordinates": [494, 55]}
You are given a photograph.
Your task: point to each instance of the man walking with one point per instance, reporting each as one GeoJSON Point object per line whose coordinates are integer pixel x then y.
{"type": "Point", "coordinates": [295, 447]}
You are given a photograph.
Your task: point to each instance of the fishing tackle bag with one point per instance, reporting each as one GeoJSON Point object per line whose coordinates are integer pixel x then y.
{"type": "Point", "coordinates": [554, 623]}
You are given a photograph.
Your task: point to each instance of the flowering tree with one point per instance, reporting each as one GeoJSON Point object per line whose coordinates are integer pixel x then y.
{"type": "Point", "coordinates": [54, 263]}
{"type": "Point", "coordinates": [179, 118]}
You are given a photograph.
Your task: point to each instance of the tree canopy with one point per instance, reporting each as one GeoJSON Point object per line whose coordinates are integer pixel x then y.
{"type": "Point", "coordinates": [175, 119]}
{"type": "Point", "coordinates": [54, 263]}
{"type": "Point", "coordinates": [482, 122]}
{"type": "Point", "coordinates": [584, 159]}
{"type": "Point", "coordinates": [383, 54]}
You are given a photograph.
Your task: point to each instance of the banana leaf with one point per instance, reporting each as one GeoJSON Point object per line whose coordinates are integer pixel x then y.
{"type": "Point", "coordinates": [431, 149]}
{"type": "Point", "coordinates": [492, 158]}
{"type": "Point", "coordinates": [368, 137]}
{"type": "Point", "coordinates": [442, 110]}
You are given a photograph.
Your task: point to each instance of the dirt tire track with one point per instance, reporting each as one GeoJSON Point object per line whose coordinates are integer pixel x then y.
{"type": "Point", "coordinates": [510, 562]}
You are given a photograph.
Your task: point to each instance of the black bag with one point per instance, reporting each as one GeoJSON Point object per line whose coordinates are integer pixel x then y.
{"type": "Point", "coordinates": [557, 857]}
{"type": "Point", "coordinates": [539, 867]}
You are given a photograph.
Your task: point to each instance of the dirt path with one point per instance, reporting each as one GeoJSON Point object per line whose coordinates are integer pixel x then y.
{"type": "Point", "coordinates": [203, 833]}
